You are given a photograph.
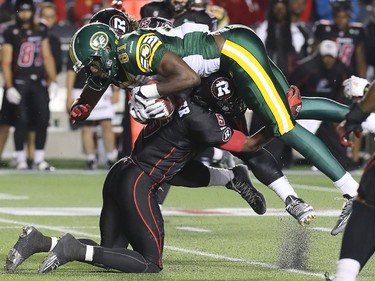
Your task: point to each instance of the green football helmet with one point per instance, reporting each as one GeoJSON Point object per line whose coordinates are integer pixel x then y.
{"type": "Point", "coordinates": [93, 49]}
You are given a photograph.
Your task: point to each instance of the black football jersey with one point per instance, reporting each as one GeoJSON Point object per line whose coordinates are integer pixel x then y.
{"type": "Point", "coordinates": [347, 40]}
{"type": "Point", "coordinates": [164, 147]}
{"type": "Point", "coordinates": [27, 49]}
{"type": "Point", "coordinates": [161, 9]}
{"type": "Point", "coordinates": [156, 9]}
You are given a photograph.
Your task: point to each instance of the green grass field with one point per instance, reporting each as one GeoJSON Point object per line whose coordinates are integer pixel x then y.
{"type": "Point", "coordinates": [211, 233]}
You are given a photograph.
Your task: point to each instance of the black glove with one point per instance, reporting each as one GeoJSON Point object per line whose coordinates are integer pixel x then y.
{"type": "Point", "coordinates": [352, 123]}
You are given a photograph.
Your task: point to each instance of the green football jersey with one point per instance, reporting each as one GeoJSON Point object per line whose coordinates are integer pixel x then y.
{"type": "Point", "coordinates": [141, 51]}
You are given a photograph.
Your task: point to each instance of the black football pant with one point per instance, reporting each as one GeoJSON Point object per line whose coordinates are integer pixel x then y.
{"type": "Point", "coordinates": [32, 113]}
{"type": "Point", "coordinates": [359, 237]}
{"type": "Point", "coordinates": [130, 214]}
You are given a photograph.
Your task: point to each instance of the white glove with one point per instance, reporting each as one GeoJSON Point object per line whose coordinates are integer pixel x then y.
{"type": "Point", "coordinates": [355, 87]}
{"type": "Point", "coordinates": [13, 96]}
{"type": "Point", "coordinates": [53, 88]}
{"type": "Point", "coordinates": [147, 109]}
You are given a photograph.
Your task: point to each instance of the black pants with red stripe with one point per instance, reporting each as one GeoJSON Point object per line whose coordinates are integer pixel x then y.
{"type": "Point", "coordinates": [358, 242]}
{"type": "Point", "coordinates": [130, 215]}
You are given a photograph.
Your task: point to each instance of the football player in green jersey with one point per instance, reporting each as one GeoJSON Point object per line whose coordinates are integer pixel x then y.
{"type": "Point", "coordinates": [181, 56]}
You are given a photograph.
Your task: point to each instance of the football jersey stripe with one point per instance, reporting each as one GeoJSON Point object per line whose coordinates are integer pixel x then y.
{"type": "Point", "coordinates": [264, 83]}
{"type": "Point", "coordinates": [153, 47]}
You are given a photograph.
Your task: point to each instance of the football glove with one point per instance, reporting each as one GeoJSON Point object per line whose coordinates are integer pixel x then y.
{"type": "Point", "coordinates": [294, 100]}
{"type": "Point", "coordinates": [155, 109]}
{"type": "Point", "coordinates": [13, 96]}
{"type": "Point", "coordinates": [355, 87]}
{"type": "Point", "coordinates": [352, 123]}
{"type": "Point", "coordinates": [80, 112]}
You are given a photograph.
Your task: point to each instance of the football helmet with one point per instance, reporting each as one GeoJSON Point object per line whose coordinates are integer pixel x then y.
{"type": "Point", "coordinates": [178, 6]}
{"type": "Point", "coordinates": [218, 93]}
{"type": "Point", "coordinates": [155, 22]}
{"type": "Point", "coordinates": [93, 48]}
{"type": "Point", "coordinates": [24, 5]}
{"type": "Point", "coordinates": [115, 19]}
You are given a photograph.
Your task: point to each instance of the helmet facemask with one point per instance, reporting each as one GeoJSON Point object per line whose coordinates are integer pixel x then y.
{"type": "Point", "coordinates": [93, 50]}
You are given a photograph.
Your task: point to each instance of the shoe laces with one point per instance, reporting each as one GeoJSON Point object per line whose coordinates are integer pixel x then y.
{"type": "Point", "coordinates": [347, 207]}
{"type": "Point", "coordinates": [297, 206]}
{"type": "Point", "coordinates": [245, 190]}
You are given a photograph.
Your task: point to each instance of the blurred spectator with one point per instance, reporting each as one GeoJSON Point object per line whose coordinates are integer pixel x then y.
{"type": "Point", "coordinates": [286, 42]}
{"type": "Point", "coordinates": [82, 8]}
{"type": "Point", "coordinates": [324, 11]}
{"type": "Point", "coordinates": [218, 12]}
{"type": "Point", "coordinates": [322, 75]}
{"type": "Point", "coordinates": [48, 16]}
{"type": "Point", "coordinates": [350, 38]}
{"type": "Point", "coordinates": [250, 13]}
{"type": "Point", "coordinates": [301, 15]}
{"type": "Point", "coordinates": [283, 40]}
{"type": "Point", "coordinates": [26, 61]}
{"type": "Point", "coordinates": [370, 44]}
{"type": "Point", "coordinates": [101, 115]}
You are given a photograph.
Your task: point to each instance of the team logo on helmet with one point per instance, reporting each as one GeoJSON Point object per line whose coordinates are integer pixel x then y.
{"type": "Point", "coordinates": [99, 40]}
{"type": "Point", "coordinates": [220, 89]}
{"type": "Point", "coordinates": [119, 24]}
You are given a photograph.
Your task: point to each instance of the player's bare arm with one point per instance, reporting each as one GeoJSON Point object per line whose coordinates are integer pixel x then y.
{"type": "Point", "coordinates": [178, 75]}
{"type": "Point", "coordinates": [6, 62]}
{"type": "Point", "coordinates": [49, 62]}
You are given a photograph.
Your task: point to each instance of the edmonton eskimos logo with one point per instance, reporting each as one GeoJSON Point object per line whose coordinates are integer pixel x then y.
{"type": "Point", "coordinates": [98, 40]}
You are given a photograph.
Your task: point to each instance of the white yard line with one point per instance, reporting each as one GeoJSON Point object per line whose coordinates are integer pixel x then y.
{"type": "Point", "coordinates": [172, 248]}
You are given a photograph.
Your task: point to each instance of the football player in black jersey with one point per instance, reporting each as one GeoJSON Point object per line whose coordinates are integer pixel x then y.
{"type": "Point", "coordinates": [179, 11]}
{"type": "Point", "coordinates": [130, 213]}
{"type": "Point", "coordinates": [261, 163]}
{"type": "Point", "coordinates": [28, 70]}
{"type": "Point", "coordinates": [358, 243]}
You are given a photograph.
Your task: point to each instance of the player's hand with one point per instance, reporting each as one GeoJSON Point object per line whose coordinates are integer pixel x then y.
{"type": "Point", "coordinates": [352, 123]}
{"type": "Point", "coordinates": [355, 87]}
{"type": "Point", "coordinates": [53, 88]}
{"type": "Point", "coordinates": [13, 96]}
{"type": "Point", "coordinates": [155, 109]}
{"type": "Point", "coordinates": [294, 100]}
{"type": "Point", "coordinates": [80, 112]}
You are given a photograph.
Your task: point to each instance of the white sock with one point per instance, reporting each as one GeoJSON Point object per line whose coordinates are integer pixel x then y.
{"type": "Point", "coordinates": [91, 157]}
{"type": "Point", "coordinates": [20, 156]}
{"type": "Point", "coordinates": [347, 185]}
{"type": "Point", "coordinates": [53, 243]}
{"type": "Point", "coordinates": [112, 156]}
{"type": "Point", "coordinates": [282, 188]}
{"type": "Point", "coordinates": [347, 270]}
{"type": "Point", "coordinates": [89, 253]}
{"type": "Point", "coordinates": [39, 156]}
{"type": "Point", "coordinates": [219, 176]}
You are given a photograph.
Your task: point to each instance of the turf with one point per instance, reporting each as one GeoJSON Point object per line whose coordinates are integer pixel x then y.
{"type": "Point", "coordinates": [225, 242]}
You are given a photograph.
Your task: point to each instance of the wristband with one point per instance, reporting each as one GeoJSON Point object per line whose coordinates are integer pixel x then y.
{"type": "Point", "coordinates": [356, 114]}
{"type": "Point", "coordinates": [150, 91]}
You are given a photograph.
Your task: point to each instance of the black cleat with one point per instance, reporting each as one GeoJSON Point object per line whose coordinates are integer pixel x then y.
{"type": "Point", "coordinates": [242, 184]}
{"type": "Point", "coordinates": [299, 210]}
{"type": "Point", "coordinates": [64, 252]}
{"type": "Point", "coordinates": [344, 216]}
{"type": "Point", "coordinates": [27, 244]}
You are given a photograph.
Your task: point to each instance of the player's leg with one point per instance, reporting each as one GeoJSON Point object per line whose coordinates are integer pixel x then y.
{"type": "Point", "coordinates": [88, 145]}
{"type": "Point", "coordinates": [137, 216]}
{"type": "Point", "coordinates": [236, 179]}
{"type": "Point", "coordinates": [358, 243]}
{"type": "Point", "coordinates": [21, 127]}
{"type": "Point", "coordinates": [244, 54]}
{"type": "Point", "coordinates": [266, 170]}
{"type": "Point", "coordinates": [41, 114]}
{"type": "Point", "coordinates": [109, 142]}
